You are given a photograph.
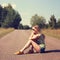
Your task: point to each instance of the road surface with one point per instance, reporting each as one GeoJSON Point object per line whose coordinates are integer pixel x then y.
{"type": "Point", "coordinates": [15, 40]}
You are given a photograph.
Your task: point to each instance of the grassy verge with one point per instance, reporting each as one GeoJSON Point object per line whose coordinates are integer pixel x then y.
{"type": "Point", "coordinates": [4, 31]}
{"type": "Point", "coordinates": [53, 33]}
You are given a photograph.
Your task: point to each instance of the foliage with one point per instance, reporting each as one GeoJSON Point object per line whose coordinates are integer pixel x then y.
{"type": "Point", "coordinates": [40, 20]}
{"type": "Point", "coordinates": [26, 27]}
{"type": "Point", "coordinates": [1, 15]}
{"type": "Point", "coordinates": [9, 17]}
{"type": "Point", "coordinates": [52, 22]}
{"type": "Point", "coordinates": [20, 26]}
{"type": "Point", "coordinates": [58, 23]}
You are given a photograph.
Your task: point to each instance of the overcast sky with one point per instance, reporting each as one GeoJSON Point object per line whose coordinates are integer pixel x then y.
{"type": "Point", "coordinates": [28, 8]}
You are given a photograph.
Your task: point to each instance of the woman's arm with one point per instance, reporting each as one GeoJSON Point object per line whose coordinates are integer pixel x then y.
{"type": "Point", "coordinates": [35, 37]}
{"type": "Point", "coordinates": [31, 36]}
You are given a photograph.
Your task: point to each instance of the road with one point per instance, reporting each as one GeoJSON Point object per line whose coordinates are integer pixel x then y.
{"type": "Point", "coordinates": [15, 40]}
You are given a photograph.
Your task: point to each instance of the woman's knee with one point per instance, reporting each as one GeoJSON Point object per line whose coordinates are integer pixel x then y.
{"type": "Point", "coordinates": [30, 42]}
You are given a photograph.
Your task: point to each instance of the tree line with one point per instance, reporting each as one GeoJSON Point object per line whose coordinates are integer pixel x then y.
{"type": "Point", "coordinates": [10, 18]}
{"type": "Point", "coordinates": [53, 23]}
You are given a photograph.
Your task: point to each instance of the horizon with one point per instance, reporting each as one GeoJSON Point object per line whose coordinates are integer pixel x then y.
{"type": "Point", "coordinates": [28, 8]}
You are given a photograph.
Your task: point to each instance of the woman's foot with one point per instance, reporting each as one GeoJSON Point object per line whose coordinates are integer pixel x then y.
{"type": "Point", "coordinates": [19, 53]}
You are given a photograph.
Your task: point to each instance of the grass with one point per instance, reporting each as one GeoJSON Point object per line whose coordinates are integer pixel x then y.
{"type": "Point", "coordinates": [54, 33]}
{"type": "Point", "coordinates": [50, 32]}
{"type": "Point", "coordinates": [4, 31]}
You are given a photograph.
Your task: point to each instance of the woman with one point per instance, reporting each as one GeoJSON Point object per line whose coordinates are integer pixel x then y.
{"type": "Point", "coordinates": [36, 40]}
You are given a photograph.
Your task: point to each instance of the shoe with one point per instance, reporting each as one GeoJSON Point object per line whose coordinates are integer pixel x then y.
{"type": "Point", "coordinates": [19, 53]}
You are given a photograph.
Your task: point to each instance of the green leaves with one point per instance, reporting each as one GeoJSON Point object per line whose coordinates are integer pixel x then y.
{"type": "Point", "coordinates": [52, 22]}
{"type": "Point", "coordinates": [9, 17]}
{"type": "Point", "coordinates": [40, 20]}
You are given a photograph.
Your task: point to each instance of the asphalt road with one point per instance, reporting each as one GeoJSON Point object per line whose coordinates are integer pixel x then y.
{"type": "Point", "coordinates": [15, 40]}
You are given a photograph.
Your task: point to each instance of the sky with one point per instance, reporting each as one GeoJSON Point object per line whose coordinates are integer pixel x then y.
{"type": "Point", "coordinates": [28, 8]}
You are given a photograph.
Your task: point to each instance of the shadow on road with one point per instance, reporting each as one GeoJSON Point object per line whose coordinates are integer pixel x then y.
{"type": "Point", "coordinates": [47, 51]}
{"type": "Point", "coordinates": [50, 51]}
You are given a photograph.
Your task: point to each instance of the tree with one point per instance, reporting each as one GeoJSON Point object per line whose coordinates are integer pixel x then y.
{"type": "Point", "coordinates": [16, 21]}
{"type": "Point", "coordinates": [26, 27]}
{"type": "Point", "coordinates": [47, 26]}
{"type": "Point", "coordinates": [1, 9]}
{"type": "Point", "coordinates": [38, 20]}
{"type": "Point", "coordinates": [58, 23]}
{"type": "Point", "coordinates": [20, 26]}
{"type": "Point", "coordinates": [52, 22]}
{"type": "Point", "coordinates": [10, 17]}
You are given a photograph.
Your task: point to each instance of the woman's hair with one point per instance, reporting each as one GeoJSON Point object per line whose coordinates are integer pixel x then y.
{"type": "Point", "coordinates": [36, 27]}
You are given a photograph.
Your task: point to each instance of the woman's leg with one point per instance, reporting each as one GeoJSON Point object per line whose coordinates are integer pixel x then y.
{"type": "Point", "coordinates": [34, 44]}
{"type": "Point", "coordinates": [26, 46]}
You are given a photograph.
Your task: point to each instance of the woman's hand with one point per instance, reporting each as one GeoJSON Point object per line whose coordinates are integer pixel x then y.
{"type": "Point", "coordinates": [35, 37]}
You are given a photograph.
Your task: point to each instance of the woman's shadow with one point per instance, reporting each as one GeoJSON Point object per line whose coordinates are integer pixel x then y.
{"type": "Point", "coordinates": [50, 51]}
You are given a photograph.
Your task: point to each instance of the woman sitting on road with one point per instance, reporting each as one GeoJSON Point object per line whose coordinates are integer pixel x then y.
{"type": "Point", "coordinates": [36, 40]}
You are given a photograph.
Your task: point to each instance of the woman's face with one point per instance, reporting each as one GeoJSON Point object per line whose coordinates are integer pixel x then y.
{"type": "Point", "coordinates": [35, 30]}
